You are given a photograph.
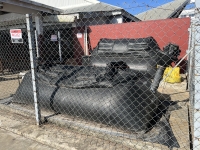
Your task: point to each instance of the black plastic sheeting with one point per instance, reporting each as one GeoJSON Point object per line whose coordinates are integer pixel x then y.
{"type": "Point", "coordinates": [113, 96]}
{"type": "Point", "coordinates": [139, 54]}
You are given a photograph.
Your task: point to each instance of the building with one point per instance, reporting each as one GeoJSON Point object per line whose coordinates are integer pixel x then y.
{"type": "Point", "coordinates": [65, 4]}
{"type": "Point", "coordinates": [189, 12]}
{"type": "Point", "coordinates": [80, 14]}
{"type": "Point", "coordinates": [15, 57]}
{"type": "Point", "coordinates": [60, 19]}
{"type": "Point", "coordinates": [169, 10]}
{"type": "Point", "coordinates": [91, 12]}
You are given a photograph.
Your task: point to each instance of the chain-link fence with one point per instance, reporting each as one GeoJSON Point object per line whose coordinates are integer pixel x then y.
{"type": "Point", "coordinates": [107, 78]}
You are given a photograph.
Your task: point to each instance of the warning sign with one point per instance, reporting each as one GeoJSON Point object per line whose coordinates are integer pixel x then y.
{"type": "Point", "coordinates": [79, 35]}
{"type": "Point", "coordinates": [54, 38]}
{"type": "Point", "coordinates": [16, 35]}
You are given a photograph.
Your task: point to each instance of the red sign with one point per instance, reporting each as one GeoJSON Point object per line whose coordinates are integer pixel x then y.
{"type": "Point", "coordinates": [16, 33]}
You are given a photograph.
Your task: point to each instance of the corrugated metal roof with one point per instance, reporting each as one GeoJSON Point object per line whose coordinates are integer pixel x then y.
{"type": "Point", "coordinates": [169, 10]}
{"type": "Point", "coordinates": [92, 8]}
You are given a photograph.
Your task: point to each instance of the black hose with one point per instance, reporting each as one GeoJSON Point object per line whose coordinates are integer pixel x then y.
{"type": "Point", "coordinates": [157, 78]}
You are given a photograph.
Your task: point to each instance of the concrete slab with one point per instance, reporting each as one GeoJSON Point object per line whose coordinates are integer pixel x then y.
{"type": "Point", "coordinates": [11, 141]}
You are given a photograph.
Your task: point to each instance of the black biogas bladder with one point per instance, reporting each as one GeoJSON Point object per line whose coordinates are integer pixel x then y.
{"type": "Point", "coordinates": [115, 88]}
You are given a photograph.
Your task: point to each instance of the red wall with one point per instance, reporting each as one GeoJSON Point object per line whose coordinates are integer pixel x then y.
{"type": "Point", "coordinates": [164, 31]}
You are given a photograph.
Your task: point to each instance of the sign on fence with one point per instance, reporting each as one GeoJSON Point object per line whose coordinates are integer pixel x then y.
{"type": "Point", "coordinates": [54, 38]}
{"type": "Point", "coordinates": [79, 35]}
{"type": "Point", "coordinates": [16, 35]}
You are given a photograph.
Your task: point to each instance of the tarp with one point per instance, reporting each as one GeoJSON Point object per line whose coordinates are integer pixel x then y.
{"type": "Point", "coordinates": [113, 96]}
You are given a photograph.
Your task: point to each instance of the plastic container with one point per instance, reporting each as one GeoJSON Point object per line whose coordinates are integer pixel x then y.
{"type": "Point", "coordinates": [172, 76]}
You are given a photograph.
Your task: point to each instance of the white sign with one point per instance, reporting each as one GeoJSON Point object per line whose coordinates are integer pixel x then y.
{"type": "Point", "coordinates": [54, 38]}
{"type": "Point", "coordinates": [16, 35]}
{"type": "Point", "coordinates": [79, 35]}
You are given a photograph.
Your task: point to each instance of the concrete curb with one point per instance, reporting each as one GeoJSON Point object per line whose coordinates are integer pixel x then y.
{"type": "Point", "coordinates": [44, 141]}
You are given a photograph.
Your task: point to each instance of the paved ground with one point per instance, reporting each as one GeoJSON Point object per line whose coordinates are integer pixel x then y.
{"type": "Point", "coordinates": [52, 135]}
{"type": "Point", "coordinates": [178, 118]}
{"type": "Point", "coordinates": [12, 141]}
{"type": "Point", "coordinates": [8, 85]}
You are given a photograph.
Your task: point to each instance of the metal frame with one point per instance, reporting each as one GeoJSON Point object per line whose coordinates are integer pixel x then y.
{"type": "Point", "coordinates": [33, 67]}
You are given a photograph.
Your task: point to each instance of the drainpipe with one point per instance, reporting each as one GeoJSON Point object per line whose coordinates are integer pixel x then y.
{"type": "Point", "coordinates": [36, 44]}
{"type": "Point", "coordinates": [38, 35]}
{"type": "Point", "coordinates": [86, 52]}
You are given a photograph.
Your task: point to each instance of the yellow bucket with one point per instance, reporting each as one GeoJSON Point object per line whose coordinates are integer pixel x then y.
{"type": "Point", "coordinates": [173, 76]}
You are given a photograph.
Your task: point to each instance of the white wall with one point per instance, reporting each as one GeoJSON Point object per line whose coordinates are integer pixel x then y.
{"type": "Point", "coordinates": [62, 4]}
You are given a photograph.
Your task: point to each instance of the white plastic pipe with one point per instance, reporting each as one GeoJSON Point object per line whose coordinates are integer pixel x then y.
{"type": "Point", "coordinates": [59, 45]}
{"type": "Point", "coordinates": [36, 44]}
{"type": "Point", "coordinates": [86, 41]}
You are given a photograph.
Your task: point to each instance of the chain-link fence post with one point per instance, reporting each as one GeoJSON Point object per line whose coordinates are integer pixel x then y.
{"type": "Point", "coordinates": [33, 66]}
{"type": "Point", "coordinates": [197, 79]}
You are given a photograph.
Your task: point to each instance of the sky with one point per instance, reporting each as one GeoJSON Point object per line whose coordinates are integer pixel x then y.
{"type": "Point", "coordinates": [136, 6]}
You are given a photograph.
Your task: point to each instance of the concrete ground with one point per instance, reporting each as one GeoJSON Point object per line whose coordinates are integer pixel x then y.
{"type": "Point", "coordinates": [12, 141]}
{"type": "Point", "coordinates": [8, 85]}
{"type": "Point", "coordinates": [179, 119]}
{"type": "Point", "coordinates": [48, 134]}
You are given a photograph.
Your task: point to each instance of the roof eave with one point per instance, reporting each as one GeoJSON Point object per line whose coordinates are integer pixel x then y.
{"type": "Point", "coordinates": [179, 10]}
{"type": "Point", "coordinates": [128, 15]}
{"type": "Point", "coordinates": [27, 6]}
{"type": "Point", "coordinates": [107, 13]}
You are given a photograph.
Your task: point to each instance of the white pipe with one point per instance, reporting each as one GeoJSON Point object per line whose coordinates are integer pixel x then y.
{"type": "Point", "coordinates": [86, 42]}
{"type": "Point", "coordinates": [189, 58]}
{"type": "Point", "coordinates": [59, 44]}
{"type": "Point", "coordinates": [36, 44]}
